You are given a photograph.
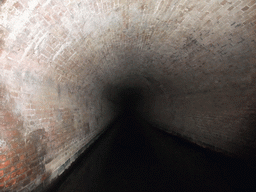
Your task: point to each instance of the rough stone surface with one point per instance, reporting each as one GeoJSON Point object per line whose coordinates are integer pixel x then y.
{"type": "Point", "coordinates": [57, 57]}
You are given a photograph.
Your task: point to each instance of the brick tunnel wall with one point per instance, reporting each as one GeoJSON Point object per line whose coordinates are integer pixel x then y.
{"type": "Point", "coordinates": [57, 58]}
{"type": "Point", "coordinates": [47, 116]}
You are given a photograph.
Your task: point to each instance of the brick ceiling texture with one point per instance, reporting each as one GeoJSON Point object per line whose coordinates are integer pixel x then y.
{"type": "Point", "coordinates": [196, 45]}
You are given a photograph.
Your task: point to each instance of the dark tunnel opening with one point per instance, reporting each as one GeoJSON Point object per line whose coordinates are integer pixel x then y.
{"type": "Point", "coordinates": [132, 155]}
{"type": "Point", "coordinates": [129, 99]}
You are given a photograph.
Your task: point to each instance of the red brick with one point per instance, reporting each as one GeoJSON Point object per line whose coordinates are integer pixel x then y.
{"type": "Point", "coordinates": [19, 165]}
{"type": "Point", "coordinates": [15, 159]}
{"type": "Point", "coordinates": [21, 178]}
{"type": "Point", "coordinates": [33, 177]}
{"type": "Point", "coordinates": [12, 169]}
{"type": "Point", "coordinates": [12, 134]}
{"type": "Point", "coordinates": [26, 182]}
{"type": "Point", "coordinates": [7, 178]}
{"type": "Point", "coordinates": [15, 145]}
{"type": "Point", "coordinates": [29, 148]}
{"type": "Point", "coordinates": [20, 150]}
{"type": "Point", "coordinates": [2, 185]}
{"type": "Point", "coordinates": [22, 157]}
{"type": "Point", "coordinates": [4, 164]}
{"type": "Point", "coordinates": [4, 149]}
{"type": "Point", "coordinates": [34, 164]}
{"type": "Point", "coordinates": [31, 152]}
{"type": "Point", "coordinates": [10, 183]}
{"type": "Point", "coordinates": [7, 170]}
{"type": "Point", "coordinates": [29, 173]}
{"type": "Point", "coordinates": [10, 154]}
{"type": "Point", "coordinates": [1, 173]}
{"type": "Point", "coordinates": [45, 176]}
{"type": "Point", "coordinates": [16, 173]}
{"type": "Point", "coordinates": [8, 117]}
{"type": "Point", "coordinates": [24, 170]}
{"type": "Point", "coordinates": [3, 158]}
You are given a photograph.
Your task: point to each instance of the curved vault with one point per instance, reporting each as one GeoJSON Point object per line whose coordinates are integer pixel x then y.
{"type": "Point", "coordinates": [61, 62]}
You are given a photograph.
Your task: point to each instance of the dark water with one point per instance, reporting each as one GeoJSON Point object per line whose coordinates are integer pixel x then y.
{"type": "Point", "coordinates": [134, 156]}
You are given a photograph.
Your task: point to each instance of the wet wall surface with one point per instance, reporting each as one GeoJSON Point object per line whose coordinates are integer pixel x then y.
{"type": "Point", "coordinates": [134, 156]}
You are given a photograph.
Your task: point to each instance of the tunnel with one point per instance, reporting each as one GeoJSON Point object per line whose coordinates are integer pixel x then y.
{"type": "Point", "coordinates": [86, 82]}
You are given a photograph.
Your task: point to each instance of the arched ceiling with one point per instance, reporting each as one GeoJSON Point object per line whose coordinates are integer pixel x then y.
{"type": "Point", "coordinates": [186, 46]}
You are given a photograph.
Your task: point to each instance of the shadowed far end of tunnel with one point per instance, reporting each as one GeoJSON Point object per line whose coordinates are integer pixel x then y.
{"type": "Point", "coordinates": [128, 100]}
